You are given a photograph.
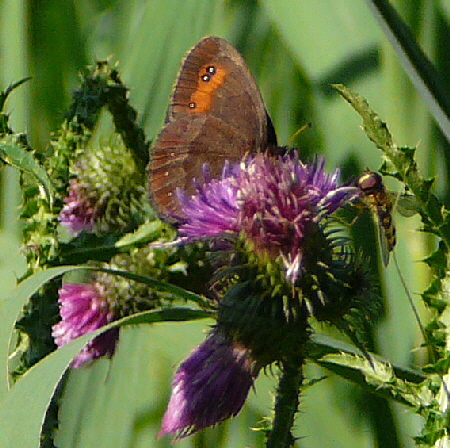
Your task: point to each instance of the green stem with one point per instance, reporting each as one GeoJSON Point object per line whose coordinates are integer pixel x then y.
{"type": "Point", "coordinates": [286, 403]}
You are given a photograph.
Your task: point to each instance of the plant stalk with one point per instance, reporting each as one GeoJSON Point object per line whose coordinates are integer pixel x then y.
{"type": "Point", "coordinates": [286, 403]}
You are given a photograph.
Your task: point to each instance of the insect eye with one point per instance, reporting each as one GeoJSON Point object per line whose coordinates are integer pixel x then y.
{"type": "Point", "coordinates": [370, 181]}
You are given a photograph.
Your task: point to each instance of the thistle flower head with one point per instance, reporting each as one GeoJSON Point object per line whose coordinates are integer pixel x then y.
{"type": "Point", "coordinates": [209, 386]}
{"type": "Point", "coordinates": [80, 210]}
{"type": "Point", "coordinates": [106, 193]}
{"type": "Point", "coordinates": [274, 202]}
{"type": "Point", "coordinates": [286, 264]}
{"type": "Point", "coordinates": [83, 309]}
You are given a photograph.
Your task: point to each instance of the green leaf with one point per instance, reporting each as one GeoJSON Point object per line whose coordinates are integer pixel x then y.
{"type": "Point", "coordinates": [157, 284]}
{"type": "Point", "coordinates": [402, 158]}
{"type": "Point", "coordinates": [21, 417]}
{"type": "Point", "coordinates": [378, 377]}
{"type": "Point", "coordinates": [88, 247]}
{"type": "Point", "coordinates": [176, 314]}
{"type": "Point", "coordinates": [11, 307]}
{"type": "Point", "coordinates": [320, 346]}
{"type": "Point", "coordinates": [17, 156]}
{"type": "Point", "coordinates": [147, 232]}
{"type": "Point", "coordinates": [5, 93]}
{"type": "Point", "coordinates": [374, 127]}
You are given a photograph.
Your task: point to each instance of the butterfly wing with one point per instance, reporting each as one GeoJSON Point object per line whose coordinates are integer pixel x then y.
{"type": "Point", "coordinates": [216, 113]}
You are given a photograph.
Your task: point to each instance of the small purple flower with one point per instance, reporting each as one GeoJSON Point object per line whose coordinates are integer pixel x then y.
{"type": "Point", "coordinates": [274, 202]}
{"type": "Point", "coordinates": [80, 210]}
{"type": "Point", "coordinates": [209, 386]}
{"type": "Point", "coordinates": [83, 309]}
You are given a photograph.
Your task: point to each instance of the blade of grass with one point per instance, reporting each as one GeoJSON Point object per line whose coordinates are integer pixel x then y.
{"type": "Point", "coordinates": [418, 67]}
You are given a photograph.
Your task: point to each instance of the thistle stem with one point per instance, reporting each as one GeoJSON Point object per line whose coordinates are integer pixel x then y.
{"type": "Point", "coordinates": [286, 403]}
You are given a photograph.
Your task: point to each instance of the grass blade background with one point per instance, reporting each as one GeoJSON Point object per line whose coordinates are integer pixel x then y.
{"type": "Point", "coordinates": [421, 72]}
{"type": "Point", "coordinates": [295, 49]}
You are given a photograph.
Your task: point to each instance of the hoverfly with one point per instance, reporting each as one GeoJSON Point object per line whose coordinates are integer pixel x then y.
{"type": "Point", "coordinates": [381, 203]}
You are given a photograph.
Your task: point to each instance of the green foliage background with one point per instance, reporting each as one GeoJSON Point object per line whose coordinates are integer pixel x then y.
{"type": "Point", "coordinates": [295, 49]}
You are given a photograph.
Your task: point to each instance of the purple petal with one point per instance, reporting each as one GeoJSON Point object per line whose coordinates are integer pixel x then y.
{"type": "Point", "coordinates": [80, 211]}
{"type": "Point", "coordinates": [275, 202]}
{"type": "Point", "coordinates": [83, 309]}
{"type": "Point", "coordinates": [211, 385]}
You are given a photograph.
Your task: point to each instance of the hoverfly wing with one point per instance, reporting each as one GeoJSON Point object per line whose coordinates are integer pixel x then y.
{"type": "Point", "coordinates": [406, 204]}
{"type": "Point", "coordinates": [378, 201]}
{"type": "Point", "coordinates": [384, 242]}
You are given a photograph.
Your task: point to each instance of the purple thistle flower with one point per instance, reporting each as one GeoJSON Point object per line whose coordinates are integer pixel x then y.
{"type": "Point", "coordinates": [209, 386]}
{"type": "Point", "coordinates": [214, 210]}
{"type": "Point", "coordinates": [279, 206]}
{"type": "Point", "coordinates": [83, 309]}
{"type": "Point", "coordinates": [80, 210]}
{"type": "Point", "coordinates": [273, 201]}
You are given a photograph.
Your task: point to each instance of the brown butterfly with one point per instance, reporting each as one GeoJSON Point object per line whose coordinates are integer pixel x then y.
{"type": "Point", "coordinates": [216, 113]}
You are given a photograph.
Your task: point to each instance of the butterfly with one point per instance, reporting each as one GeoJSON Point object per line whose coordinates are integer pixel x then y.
{"type": "Point", "coordinates": [216, 114]}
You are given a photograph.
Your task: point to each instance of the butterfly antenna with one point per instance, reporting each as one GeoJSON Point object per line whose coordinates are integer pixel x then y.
{"type": "Point", "coordinates": [299, 131]}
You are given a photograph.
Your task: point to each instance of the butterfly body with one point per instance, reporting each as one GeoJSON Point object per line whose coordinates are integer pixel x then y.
{"type": "Point", "coordinates": [216, 113]}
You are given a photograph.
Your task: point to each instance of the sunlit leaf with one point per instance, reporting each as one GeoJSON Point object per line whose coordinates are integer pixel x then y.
{"type": "Point", "coordinates": [18, 157]}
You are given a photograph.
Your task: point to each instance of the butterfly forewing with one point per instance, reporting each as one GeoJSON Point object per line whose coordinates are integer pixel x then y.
{"type": "Point", "coordinates": [216, 113]}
